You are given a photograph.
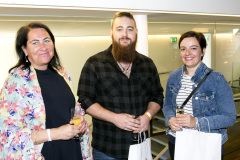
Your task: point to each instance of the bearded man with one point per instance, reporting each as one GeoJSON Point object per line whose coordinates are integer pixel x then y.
{"type": "Point", "coordinates": [117, 85]}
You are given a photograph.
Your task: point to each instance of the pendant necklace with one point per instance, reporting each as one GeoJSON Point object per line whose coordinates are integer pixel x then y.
{"type": "Point", "coordinates": [124, 70]}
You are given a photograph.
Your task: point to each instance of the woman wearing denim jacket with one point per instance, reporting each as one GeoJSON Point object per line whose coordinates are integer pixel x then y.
{"type": "Point", "coordinates": [212, 102]}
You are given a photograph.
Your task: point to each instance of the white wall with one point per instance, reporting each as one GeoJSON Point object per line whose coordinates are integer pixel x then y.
{"type": "Point", "coordinates": [228, 59]}
{"type": "Point", "coordinates": [165, 55]}
{"type": "Point", "coordinates": [7, 57]}
{"type": "Point", "coordinates": [74, 51]}
{"type": "Point", "coordinates": [208, 53]}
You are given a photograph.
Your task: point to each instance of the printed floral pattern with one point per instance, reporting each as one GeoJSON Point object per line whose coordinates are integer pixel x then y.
{"type": "Point", "coordinates": [22, 111]}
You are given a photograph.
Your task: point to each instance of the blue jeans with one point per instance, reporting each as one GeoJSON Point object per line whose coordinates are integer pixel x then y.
{"type": "Point", "coordinates": [97, 155]}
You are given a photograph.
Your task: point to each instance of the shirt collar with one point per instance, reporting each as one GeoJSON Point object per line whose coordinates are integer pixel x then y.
{"type": "Point", "coordinates": [200, 72]}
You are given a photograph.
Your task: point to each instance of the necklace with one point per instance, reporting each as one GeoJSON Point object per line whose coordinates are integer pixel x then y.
{"type": "Point", "coordinates": [124, 70]}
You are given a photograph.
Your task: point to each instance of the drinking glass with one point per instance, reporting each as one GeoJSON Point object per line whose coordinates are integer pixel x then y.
{"type": "Point", "coordinates": [179, 110]}
{"type": "Point", "coordinates": [75, 117]}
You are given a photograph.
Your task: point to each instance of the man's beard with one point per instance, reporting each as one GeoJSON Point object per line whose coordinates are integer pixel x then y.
{"type": "Point", "coordinates": [125, 54]}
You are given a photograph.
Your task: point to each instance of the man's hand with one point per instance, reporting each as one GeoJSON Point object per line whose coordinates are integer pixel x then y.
{"type": "Point", "coordinates": [126, 122]}
{"type": "Point", "coordinates": [144, 122]}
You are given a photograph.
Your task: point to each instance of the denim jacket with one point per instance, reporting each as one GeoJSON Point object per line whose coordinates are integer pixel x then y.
{"type": "Point", "coordinates": [212, 102]}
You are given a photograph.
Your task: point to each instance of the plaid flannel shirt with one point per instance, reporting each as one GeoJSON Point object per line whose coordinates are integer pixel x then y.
{"type": "Point", "coordinates": [103, 82]}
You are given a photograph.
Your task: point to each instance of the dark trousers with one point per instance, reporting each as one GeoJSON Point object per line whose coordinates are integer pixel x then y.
{"type": "Point", "coordinates": [171, 147]}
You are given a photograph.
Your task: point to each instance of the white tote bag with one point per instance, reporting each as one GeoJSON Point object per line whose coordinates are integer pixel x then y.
{"type": "Point", "coordinates": [197, 145]}
{"type": "Point", "coordinates": [141, 151]}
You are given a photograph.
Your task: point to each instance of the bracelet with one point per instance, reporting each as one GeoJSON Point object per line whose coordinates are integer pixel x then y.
{"type": "Point", "coordinates": [149, 115]}
{"type": "Point", "coordinates": [49, 135]}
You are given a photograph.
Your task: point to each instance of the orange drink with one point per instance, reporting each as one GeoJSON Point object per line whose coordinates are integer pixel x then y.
{"type": "Point", "coordinates": [76, 121]}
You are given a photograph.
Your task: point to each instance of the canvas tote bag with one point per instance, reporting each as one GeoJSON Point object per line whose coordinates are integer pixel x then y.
{"type": "Point", "coordinates": [197, 145]}
{"type": "Point", "coordinates": [142, 150]}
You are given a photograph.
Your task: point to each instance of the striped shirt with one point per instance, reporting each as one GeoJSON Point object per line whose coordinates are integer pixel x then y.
{"type": "Point", "coordinates": [183, 93]}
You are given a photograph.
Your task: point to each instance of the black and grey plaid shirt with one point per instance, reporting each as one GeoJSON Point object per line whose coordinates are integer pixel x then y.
{"type": "Point", "coordinates": [103, 82]}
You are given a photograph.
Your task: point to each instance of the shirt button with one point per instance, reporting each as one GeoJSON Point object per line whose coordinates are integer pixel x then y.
{"type": "Point", "coordinates": [197, 110]}
{"type": "Point", "coordinates": [207, 98]}
{"type": "Point", "coordinates": [195, 85]}
{"type": "Point", "coordinates": [196, 98]}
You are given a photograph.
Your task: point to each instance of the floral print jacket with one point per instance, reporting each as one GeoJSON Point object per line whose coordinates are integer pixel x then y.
{"type": "Point", "coordinates": [22, 111]}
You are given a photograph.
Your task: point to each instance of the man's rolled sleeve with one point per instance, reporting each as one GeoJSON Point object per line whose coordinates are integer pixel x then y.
{"type": "Point", "coordinates": [87, 86]}
{"type": "Point", "coordinates": [156, 90]}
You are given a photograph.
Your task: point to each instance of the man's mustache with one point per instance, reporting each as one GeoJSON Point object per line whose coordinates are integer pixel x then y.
{"type": "Point", "coordinates": [125, 38]}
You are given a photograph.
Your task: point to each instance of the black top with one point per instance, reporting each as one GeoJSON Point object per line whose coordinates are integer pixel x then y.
{"type": "Point", "coordinates": [58, 99]}
{"type": "Point", "coordinates": [103, 82]}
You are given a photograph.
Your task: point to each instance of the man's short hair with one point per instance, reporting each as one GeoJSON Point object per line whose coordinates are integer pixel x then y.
{"type": "Point", "coordinates": [124, 14]}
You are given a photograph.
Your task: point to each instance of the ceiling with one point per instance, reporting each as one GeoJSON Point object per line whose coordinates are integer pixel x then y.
{"type": "Point", "coordinates": [79, 22]}
{"type": "Point", "coordinates": [76, 12]}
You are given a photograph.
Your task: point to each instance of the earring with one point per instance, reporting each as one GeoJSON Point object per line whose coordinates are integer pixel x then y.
{"type": "Point", "coordinates": [26, 59]}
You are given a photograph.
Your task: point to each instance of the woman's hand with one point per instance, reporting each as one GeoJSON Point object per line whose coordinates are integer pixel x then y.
{"type": "Point", "coordinates": [82, 123]}
{"type": "Point", "coordinates": [65, 132]}
{"type": "Point", "coordinates": [173, 124]}
{"type": "Point", "coordinates": [186, 120]}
